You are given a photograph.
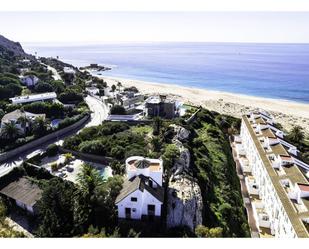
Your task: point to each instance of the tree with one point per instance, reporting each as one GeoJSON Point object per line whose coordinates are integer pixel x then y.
{"type": "Point", "coordinates": [296, 135]}
{"type": "Point", "coordinates": [70, 96]}
{"type": "Point", "coordinates": [157, 124]}
{"type": "Point", "coordinates": [43, 87]}
{"type": "Point", "coordinates": [89, 179]}
{"type": "Point", "coordinates": [39, 126]}
{"type": "Point", "coordinates": [56, 209]}
{"type": "Point", "coordinates": [118, 110]}
{"type": "Point", "coordinates": [156, 143]}
{"type": "Point", "coordinates": [52, 150]}
{"type": "Point", "coordinates": [119, 85]}
{"type": "Point", "coordinates": [10, 131]}
{"type": "Point", "coordinates": [113, 88]}
{"type": "Point", "coordinates": [58, 86]}
{"type": "Point", "coordinates": [23, 121]}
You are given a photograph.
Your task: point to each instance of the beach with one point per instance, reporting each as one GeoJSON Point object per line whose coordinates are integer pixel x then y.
{"type": "Point", "coordinates": [287, 113]}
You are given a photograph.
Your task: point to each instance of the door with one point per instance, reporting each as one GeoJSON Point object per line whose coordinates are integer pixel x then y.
{"type": "Point", "coordinates": [128, 213]}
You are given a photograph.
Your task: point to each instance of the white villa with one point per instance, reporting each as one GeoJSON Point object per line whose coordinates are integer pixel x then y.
{"type": "Point", "coordinates": [277, 181]}
{"type": "Point", "coordinates": [15, 116]}
{"type": "Point", "coordinates": [29, 80]}
{"type": "Point", "coordinates": [142, 194]}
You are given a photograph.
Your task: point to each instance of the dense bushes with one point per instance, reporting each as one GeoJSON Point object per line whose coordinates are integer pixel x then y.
{"type": "Point", "coordinates": [117, 110]}
{"type": "Point", "coordinates": [216, 174]}
{"type": "Point", "coordinates": [113, 139]}
{"type": "Point", "coordinates": [70, 96]}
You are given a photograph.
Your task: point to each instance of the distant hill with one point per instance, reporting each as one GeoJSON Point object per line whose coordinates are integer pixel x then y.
{"type": "Point", "coordinates": [9, 45]}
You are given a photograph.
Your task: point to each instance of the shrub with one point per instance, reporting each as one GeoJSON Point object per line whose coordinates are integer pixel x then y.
{"type": "Point", "coordinates": [43, 87]}
{"type": "Point", "coordinates": [54, 167]}
{"type": "Point", "coordinates": [52, 150]}
{"type": "Point", "coordinates": [118, 110]}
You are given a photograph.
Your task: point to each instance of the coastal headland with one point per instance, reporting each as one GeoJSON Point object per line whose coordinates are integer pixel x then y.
{"type": "Point", "coordinates": [287, 113]}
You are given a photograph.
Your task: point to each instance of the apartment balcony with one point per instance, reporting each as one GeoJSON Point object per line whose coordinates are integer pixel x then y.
{"type": "Point", "coordinates": [252, 186]}
{"type": "Point", "coordinates": [244, 164]}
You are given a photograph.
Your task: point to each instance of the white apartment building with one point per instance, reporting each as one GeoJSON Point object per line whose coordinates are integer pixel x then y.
{"type": "Point", "coordinates": [142, 194]}
{"type": "Point", "coordinates": [276, 180]}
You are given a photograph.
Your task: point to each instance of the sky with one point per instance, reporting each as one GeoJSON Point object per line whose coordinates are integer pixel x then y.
{"type": "Point", "coordinates": [98, 27]}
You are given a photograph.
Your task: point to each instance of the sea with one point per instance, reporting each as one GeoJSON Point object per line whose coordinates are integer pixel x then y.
{"type": "Point", "coordinates": [278, 71]}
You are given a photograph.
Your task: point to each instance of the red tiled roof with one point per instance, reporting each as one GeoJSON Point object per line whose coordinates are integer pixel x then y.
{"type": "Point", "coordinates": [303, 187]}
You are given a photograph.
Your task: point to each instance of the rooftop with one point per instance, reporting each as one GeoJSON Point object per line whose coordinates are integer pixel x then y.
{"type": "Point", "coordinates": [33, 97]}
{"type": "Point", "coordinates": [142, 163]}
{"type": "Point", "coordinates": [14, 115]}
{"type": "Point", "coordinates": [140, 182]}
{"type": "Point", "coordinates": [23, 190]}
{"type": "Point", "coordinates": [292, 172]}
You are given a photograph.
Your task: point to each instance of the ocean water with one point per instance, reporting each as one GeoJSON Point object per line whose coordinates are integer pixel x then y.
{"type": "Point", "coordinates": [278, 71]}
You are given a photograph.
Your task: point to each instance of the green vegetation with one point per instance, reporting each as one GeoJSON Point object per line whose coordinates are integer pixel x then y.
{"type": "Point", "coordinates": [216, 174]}
{"type": "Point", "coordinates": [118, 110]}
{"type": "Point", "coordinates": [111, 139]}
{"type": "Point", "coordinates": [68, 210]}
{"type": "Point", "coordinates": [297, 137]}
{"type": "Point", "coordinates": [6, 231]}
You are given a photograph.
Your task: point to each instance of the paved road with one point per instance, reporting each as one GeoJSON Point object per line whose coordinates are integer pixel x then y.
{"type": "Point", "coordinates": [99, 114]}
{"type": "Point", "coordinates": [56, 75]}
{"type": "Point", "coordinates": [99, 110]}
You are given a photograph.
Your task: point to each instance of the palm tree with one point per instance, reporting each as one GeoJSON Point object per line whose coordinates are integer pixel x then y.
{"type": "Point", "coordinates": [157, 124]}
{"type": "Point", "coordinates": [119, 85]}
{"type": "Point", "coordinates": [296, 135]}
{"type": "Point", "coordinates": [89, 179]}
{"type": "Point", "coordinates": [23, 121]}
{"type": "Point", "coordinates": [39, 127]}
{"type": "Point", "coordinates": [10, 130]}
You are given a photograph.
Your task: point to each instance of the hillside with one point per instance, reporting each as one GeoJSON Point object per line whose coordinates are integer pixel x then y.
{"type": "Point", "coordinates": [12, 46]}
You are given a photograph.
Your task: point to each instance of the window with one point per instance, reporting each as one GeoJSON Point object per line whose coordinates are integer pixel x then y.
{"type": "Point", "coordinates": [133, 210]}
{"type": "Point", "coordinates": [133, 199]}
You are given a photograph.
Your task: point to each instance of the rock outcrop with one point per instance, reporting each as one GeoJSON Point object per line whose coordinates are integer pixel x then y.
{"type": "Point", "coordinates": [15, 47]}
{"type": "Point", "coordinates": [184, 206]}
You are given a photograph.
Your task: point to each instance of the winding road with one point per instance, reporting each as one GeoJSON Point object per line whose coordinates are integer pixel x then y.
{"type": "Point", "coordinates": [99, 113]}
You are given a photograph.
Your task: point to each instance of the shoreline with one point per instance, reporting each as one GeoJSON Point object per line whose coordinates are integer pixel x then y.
{"type": "Point", "coordinates": [286, 112]}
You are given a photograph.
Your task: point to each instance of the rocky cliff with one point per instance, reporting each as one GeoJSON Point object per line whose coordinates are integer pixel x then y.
{"type": "Point", "coordinates": [184, 206]}
{"type": "Point", "coordinates": [9, 45]}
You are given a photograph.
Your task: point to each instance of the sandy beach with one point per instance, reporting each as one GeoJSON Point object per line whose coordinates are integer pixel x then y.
{"type": "Point", "coordinates": [288, 113]}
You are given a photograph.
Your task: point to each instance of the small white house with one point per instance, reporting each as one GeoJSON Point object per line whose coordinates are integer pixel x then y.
{"type": "Point", "coordinates": [29, 80]}
{"type": "Point", "coordinates": [93, 90]}
{"type": "Point", "coordinates": [142, 194]}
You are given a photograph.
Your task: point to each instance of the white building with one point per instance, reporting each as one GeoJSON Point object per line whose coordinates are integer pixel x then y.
{"type": "Point", "coordinates": [275, 178]}
{"type": "Point", "coordinates": [93, 90]}
{"type": "Point", "coordinates": [34, 98]}
{"type": "Point", "coordinates": [24, 193]}
{"type": "Point", "coordinates": [142, 194]}
{"type": "Point", "coordinates": [29, 80]}
{"type": "Point", "coordinates": [68, 70]}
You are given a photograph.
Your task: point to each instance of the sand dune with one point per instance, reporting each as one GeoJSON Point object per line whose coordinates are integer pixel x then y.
{"type": "Point", "coordinates": [288, 113]}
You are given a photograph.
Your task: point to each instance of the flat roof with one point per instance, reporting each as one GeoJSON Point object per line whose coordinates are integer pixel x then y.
{"type": "Point", "coordinates": [34, 97]}
{"type": "Point", "coordinates": [292, 172]}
